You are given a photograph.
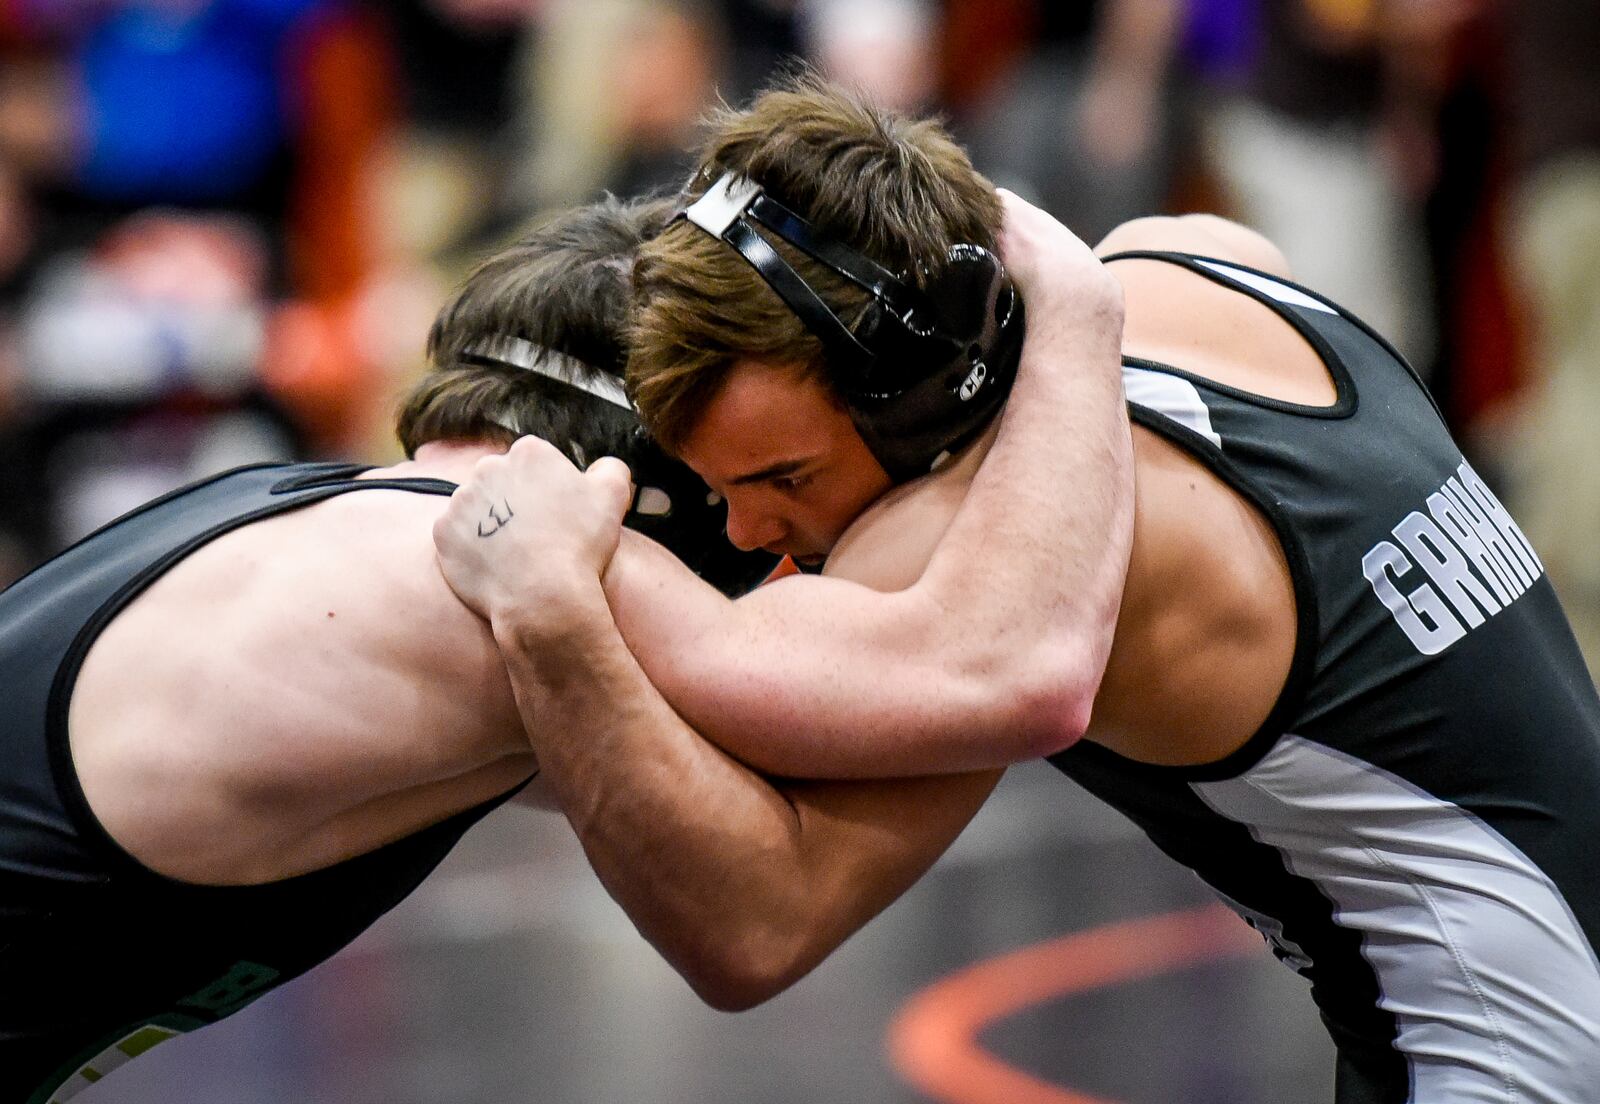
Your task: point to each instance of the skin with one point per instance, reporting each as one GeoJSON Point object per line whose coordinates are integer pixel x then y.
{"type": "Point", "coordinates": [301, 726]}
{"type": "Point", "coordinates": [794, 489]}
{"type": "Point", "coordinates": [745, 902]}
{"type": "Point", "coordinates": [1204, 632]}
{"type": "Point", "coordinates": [863, 683]}
{"type": "Point", "coordinates": [282, 740]}
{"type": "Point", "coordinates": [340, 696]}
{"type": "Point", "coordinates": [1205, 626]}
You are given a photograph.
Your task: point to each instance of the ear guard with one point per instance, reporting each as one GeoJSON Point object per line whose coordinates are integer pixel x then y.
{"type": "Point", "coordinates": [924, 370]}
{"type": "Point", "coordinates": [671, 504]}
{"type": "Point", "coordinates": [673, 507]}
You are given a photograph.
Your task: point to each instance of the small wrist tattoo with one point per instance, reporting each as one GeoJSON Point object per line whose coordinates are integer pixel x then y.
{"type": "Point", "coordinates": [497, 520]}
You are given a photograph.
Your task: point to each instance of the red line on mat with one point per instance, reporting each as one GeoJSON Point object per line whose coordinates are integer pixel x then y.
{"type": "Point", "coordinates": [933, 1041]}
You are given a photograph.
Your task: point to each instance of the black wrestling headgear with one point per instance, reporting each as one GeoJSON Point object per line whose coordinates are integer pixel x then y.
{"type": "Point", "coordinates": [924, 370]}
{"type": "Point", "coordinates": [671, 504]}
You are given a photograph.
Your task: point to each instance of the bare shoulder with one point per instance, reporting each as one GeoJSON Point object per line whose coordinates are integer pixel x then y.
{"type": "Point", "coordinates": [355, 574]}
{"type": "Point", "coordinates": [1206, 631]}
{"type": "Point", "coordinates": [1205, 235]}
{"type": "Point", "coordinates": [309, 664]}
{"type": "Point", "coordinates": [350, 603]}
{"type": "Point", "coordinates": [1179, 317]}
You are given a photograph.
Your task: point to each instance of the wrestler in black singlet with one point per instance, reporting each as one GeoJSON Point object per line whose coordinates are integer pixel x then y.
{"type": "Point", "coordinates": [1413, 829]}
{"type": "Point", "coordinates": [100, 958]}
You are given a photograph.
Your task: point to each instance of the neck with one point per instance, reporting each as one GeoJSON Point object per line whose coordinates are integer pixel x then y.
{"type": "Point", "coordinates": [451, 460]}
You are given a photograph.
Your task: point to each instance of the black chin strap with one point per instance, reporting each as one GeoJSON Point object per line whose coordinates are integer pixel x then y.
{"type": "Point", "coordinates": [727, 210]}
{"type": "Point", "coordinates": [796, 294]}
{"type": "Point", "coordinates": [861, 270]}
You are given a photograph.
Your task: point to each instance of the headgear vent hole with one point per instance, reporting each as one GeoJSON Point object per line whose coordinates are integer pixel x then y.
{"type": "Point", "coordinates": [653, 502]}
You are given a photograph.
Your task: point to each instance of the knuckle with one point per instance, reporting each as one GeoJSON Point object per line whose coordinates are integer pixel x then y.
{"type": "Point", "coordinates": [528, 450]}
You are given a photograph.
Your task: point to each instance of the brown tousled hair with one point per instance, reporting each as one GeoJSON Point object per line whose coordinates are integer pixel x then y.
{"type": "Point", "coordinates": [563, 287]}
{"type": "Point", "coordinates": [897, 189]}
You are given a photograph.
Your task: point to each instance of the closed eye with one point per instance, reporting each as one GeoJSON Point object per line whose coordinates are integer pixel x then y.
{"type": "Point", "coordinates": [790, 484]}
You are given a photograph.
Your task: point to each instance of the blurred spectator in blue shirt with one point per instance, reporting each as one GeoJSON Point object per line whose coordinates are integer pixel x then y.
{"type": "Point", "coordinates": [186, 100]}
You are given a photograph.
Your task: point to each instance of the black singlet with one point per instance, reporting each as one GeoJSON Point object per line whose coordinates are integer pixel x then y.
{"type": "Point", "coordinates": [100, 958]}
{"type": "Point", "coordinates": [1413, 828]}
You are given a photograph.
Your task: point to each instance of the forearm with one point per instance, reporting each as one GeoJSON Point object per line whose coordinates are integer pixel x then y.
{"type": "Point", "coordinates": [809, 676]}
{"type": "Point", "coordinates": [992, 655]}
{"type": "Point", "coordinates": [741, 886]}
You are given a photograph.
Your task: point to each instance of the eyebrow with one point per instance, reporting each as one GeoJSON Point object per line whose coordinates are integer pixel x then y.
{"type": "Point", "coordinates": [771, 471]}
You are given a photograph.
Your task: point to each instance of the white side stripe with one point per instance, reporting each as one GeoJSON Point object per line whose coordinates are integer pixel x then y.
{"type": "Point", "coordinates": [1171, 396]}
{"type": "Point", "coordinates": [1494, 987]}
{"type": "Point", "coordinates": [1283, 293]}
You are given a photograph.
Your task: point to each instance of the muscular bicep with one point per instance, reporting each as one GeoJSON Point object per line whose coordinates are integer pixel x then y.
{"type": "Point", "coordinates": [758, 676]}
{"type": "Point", "coordinates": [810, 676]}
{"type": "Point", "coordinates": [742, 882]}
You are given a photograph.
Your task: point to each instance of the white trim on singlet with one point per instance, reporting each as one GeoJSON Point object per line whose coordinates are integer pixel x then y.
{"type": "Point", "coordinates": [1493, 985]}
{"type": "Point", "coordinates": [1283, 293]}
{"type": "Point", "coordinates": [1170, 396]}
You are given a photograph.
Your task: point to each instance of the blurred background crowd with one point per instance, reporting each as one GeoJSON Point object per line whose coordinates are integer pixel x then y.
{"type": "Point", "coordinates": [226, 224]}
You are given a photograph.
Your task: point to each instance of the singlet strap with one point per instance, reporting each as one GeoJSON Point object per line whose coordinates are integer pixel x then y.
{"type": "Point", "coordinates": [331, 477]}
{"type": "Point", "coordinates": [1279, 294]}
{"type": "Point", "coordinates": [1233, 274]}
{"type": "Point", "coordinates": [1297, 306]}
{"type": "Point", "coordinates": [306, 485]}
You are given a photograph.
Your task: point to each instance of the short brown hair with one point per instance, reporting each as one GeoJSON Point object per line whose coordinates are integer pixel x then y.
{"type": "Point", "coordinates": [564, 287]}
{"type": "Point", "coordinates": [897, 189]}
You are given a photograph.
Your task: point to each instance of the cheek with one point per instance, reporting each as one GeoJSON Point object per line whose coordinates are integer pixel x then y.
{"type": "Point", "coordinates": [844, 502]}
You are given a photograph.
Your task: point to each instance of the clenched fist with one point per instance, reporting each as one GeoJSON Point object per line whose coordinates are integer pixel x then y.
{"type": "Point", "coordinates": [528, 531]}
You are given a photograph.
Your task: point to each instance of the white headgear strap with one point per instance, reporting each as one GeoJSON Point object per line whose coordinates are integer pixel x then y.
{"type": "Point", "coordinates": [553, 365]}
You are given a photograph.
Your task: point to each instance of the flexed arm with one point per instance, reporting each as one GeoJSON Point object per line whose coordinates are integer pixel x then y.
{"type": "Point", "coordinates": [993, 649]}
{"type": "Point", "coordinates": [741, 882]}
{"type": "Point", "coordinates": [991, 654]}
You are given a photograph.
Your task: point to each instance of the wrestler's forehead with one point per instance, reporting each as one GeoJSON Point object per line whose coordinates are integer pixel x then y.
{"type": "Point", "coordinates": [764, 415]}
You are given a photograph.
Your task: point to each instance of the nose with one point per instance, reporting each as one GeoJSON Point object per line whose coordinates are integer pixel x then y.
{"type": "Point", "coordinates": [749, 529]}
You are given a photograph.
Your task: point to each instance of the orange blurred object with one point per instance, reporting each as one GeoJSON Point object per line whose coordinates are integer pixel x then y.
{"type": "Point", "coordinates": [347, 108]}
{"type": "Point", "coordinates": [313, 367]}
{"type": "Point", "coordinates": [786, 566]}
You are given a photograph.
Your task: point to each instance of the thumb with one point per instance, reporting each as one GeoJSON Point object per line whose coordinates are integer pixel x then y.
{"type": "Point", "coordinates": [610, 477]}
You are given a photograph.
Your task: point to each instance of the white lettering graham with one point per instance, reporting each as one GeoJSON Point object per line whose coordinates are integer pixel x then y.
{"type": "Point", "coordinates": [1476, 560]}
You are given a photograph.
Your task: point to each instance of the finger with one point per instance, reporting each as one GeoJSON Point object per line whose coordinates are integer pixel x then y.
{"type": "Point", "coordinates": [613, 478]}
{"type": "Point", "coordinates": [486, 472]}
{"type": "Point", "coordinates": [445, 530]}
{"type": "Point", "coordinates": [535, 452]}
{"type": "Point", "coordinates": [610, 468]}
